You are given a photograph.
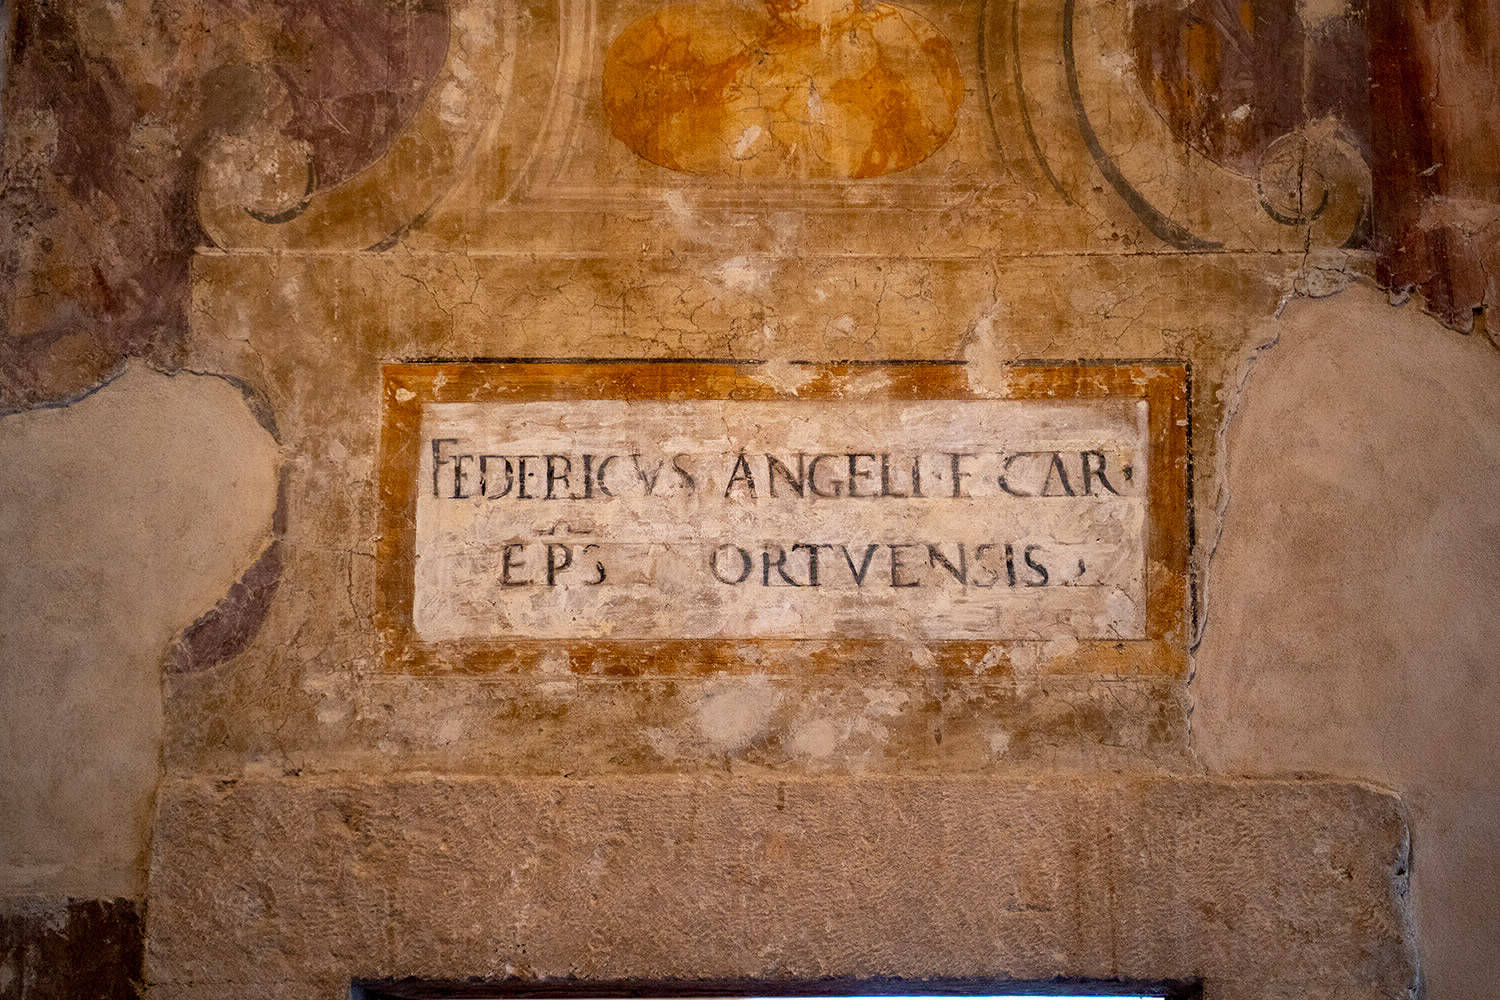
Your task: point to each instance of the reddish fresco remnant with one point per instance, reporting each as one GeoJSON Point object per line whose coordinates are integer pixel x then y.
{"type": "Point", "coordinates": [228, 629]}
{"type": "Point", "coordinates": [1437, 152]}
{"type": "Point", "coordinates": [795, 88]}
{"type": "Point", "coordinates": [1412, 83]}
{"type": "Point", "coordinates": [108, 109]}
{"type": "Point", "coordinates": [71, 948]}
{"type": "Point", "coordinates": [1232, 76]}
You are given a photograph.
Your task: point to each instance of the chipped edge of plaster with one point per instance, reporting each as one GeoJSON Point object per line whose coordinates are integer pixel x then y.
{"type": "Point", "coordinates": [228, 628]}
{"type": "Point", "coordinates": [1236, 390]}
{"type": "Point", "coordinates": [256, 401]}
{"type": "Point", "coordinates": [66, 400]}
{"type": "Point", "coordinates": [237, 616]}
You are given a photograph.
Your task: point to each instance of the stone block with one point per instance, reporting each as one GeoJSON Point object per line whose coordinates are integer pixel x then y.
{"type": "Point", "coordinates": [294, 886]}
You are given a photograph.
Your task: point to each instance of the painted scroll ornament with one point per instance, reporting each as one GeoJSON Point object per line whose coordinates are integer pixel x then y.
{"type": "Point", "coordinates": [1062, 71]}
{"type": "Point", "coordinates": [782, 88]}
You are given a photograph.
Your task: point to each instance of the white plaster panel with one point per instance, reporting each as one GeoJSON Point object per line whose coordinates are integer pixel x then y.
{"type": "Point", "coordinates": [680, 539]}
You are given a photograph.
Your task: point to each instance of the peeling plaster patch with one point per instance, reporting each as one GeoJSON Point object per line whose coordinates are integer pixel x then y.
{"type": "Point", "coordinates": [556, 664]}
{"type": "Point", "coordinates": [745, 274]}
{"type": "Point", "coordinates": [1316, 13]}
{"type": "Point", "coordinates": [1025, 661]}
{"type": "Point", "coordinates": [264, 170]}
{"type": "Point", "coordinates": [1118, 64]}
{"type": "Point", "coordinates": [877, 734]}
{"type": "Point", "coordinates": [473, 24]}
{"type": "Point", "coordinates": [332, 715]}
{"type": "Point", "coordinates": [885, 702]}
{"type": "Point", "coordinates": [1118, 605]}
{"type": "Point", "coordinates": [873, 384]}
{"type": "Point", "coordinates": [846, 728]}
{"type": "Point", "coordinates": [681, 211]}
{"type": "Point", "coordinates": [332, 697]}
{"type": "Point", "coordinates": [1062, 646]}
{"type": "Point", "coordinates": [843, 326]}
{"type": "Point", "coordinates": [984, 353]}
{"type": "Point", "coordinates": [816, 738]}
{"type": "Point", "coordinates": [563, 690]}
{"type": "Point", "coordinates": [1324, 273]}
{"type": "Point", "coordinates": [732, 713]}
{"type": "Point", "coordinates": [450, 730]}
{"type": "Point", "coordinates": [999, 743]}
{"type": "Point", "coordinates": [747, 140]}
{"type": "Point", "coordinates": [784, 376]}
{"type": "Point", "coordinates": [663, 742]}
{"type": "Point", "coordinates": [1468, 215]}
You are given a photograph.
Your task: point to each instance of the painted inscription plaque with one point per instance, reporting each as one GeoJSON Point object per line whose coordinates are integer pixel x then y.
{"type": "Point", "coordinates": [618, 507]}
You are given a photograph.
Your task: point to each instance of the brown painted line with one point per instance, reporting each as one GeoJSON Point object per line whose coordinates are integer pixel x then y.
{"type": "Point", "coordinates": [962, 663]}
{"type": "Point", "coordinates": [626, 360]}
{"type": "Point", "coordinates": [533, 256]}
{"type": "Point", "coordinates": [1019, 82]}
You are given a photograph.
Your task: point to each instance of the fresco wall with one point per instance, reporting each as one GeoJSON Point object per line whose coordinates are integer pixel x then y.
{"type": "Point", "coordinates": [1127, 365]}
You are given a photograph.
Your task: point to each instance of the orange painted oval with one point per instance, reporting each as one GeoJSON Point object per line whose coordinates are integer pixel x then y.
{"type": "Point", "coordinates": [783, 88]}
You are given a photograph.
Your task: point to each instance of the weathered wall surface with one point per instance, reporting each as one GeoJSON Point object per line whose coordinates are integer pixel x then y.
{"type": "Point", "coordinates": [294, 195]}
{"type": "Point", "coordinates": [52, 947]}
{"type": "Point", "coordinates": [1347, 630]}
{"type": "Point", "coordinates": [108, 111]}
{"type": "Point", "coordinates": [139, 507]}
{"type": "Point", "coordinates": [781, 877]}
{"type": "Point", "coordinates": [1433, 93]}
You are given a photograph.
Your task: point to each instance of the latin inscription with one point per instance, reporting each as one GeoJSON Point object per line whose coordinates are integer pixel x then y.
{"type": "Point", "coordinates": [643, 519]}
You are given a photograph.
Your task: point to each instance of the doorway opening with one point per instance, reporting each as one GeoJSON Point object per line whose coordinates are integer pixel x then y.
{"type": "Point", "coordinates": [830, 989]}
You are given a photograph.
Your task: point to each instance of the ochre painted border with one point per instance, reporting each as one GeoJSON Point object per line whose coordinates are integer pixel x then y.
{"type": "Point", "coordinates": [408, 387]}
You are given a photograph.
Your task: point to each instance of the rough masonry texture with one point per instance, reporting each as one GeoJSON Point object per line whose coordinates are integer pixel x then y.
{"type": "Point", "coordinates": [249, 689]}
{"type": "Point", "coordinates": [1263, 889]}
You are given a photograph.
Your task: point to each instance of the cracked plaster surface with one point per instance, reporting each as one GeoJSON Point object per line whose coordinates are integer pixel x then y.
{"type": "Point", "coordinates": [988, 278]}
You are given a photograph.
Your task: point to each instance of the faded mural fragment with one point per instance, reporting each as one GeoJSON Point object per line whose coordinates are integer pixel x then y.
{"type": "Point", "coordinates": [479, 264]}
{"type": "Point", "coordinates": [790, 88]}
{"type": "Point", "coordinates": [1433, 91]}
{"type": "Point", "coordinates": [1233, 76]}
{"type": "Point", "coordinates": [108, 110]}
{"type": "Point", "coordinates": [1198, 117]}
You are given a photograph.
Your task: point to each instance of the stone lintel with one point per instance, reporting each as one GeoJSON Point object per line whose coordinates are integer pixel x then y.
{"type": "Point", "coordinates": [294, 886]}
